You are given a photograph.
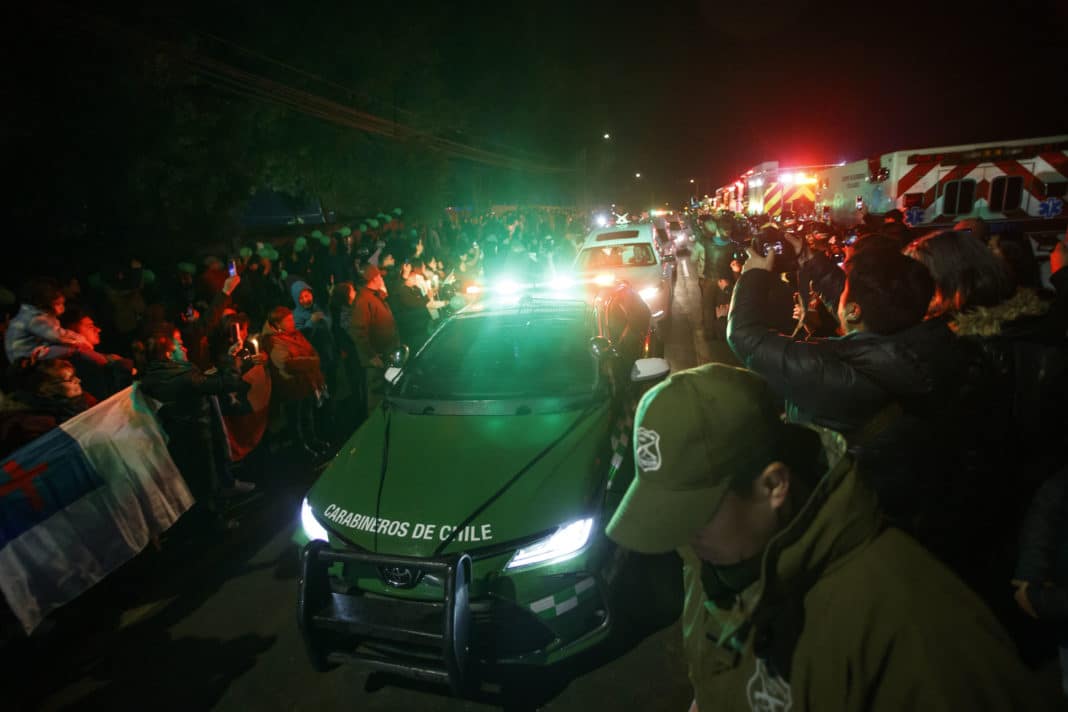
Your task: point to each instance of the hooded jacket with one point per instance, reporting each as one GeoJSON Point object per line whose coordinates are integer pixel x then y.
{"type": "Point", "coordinates": [295, 365]}
{"type": "Point", "coordinates": [842, 382]}
{"type": "Point", "coordinates": [1019, 365]}
{"type": "Point", "coordinates": [318, 333]}
{"type": "Point", "coordinates": [848, 615]}
{"type": "Point", "coordinates": [302, 316]}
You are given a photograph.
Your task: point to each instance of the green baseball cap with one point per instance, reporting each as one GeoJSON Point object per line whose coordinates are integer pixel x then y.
{"type": "Point", "coordinates": [693, 434]}
{"type": "Point", "coordinates": [317, 234]}
{"type": "Point", "coordinates": [245, 252]}
{"type": "Point", "coordinates": [345, 231]}
{"type": "Point", "coordinates": [398, 211]}
{"type": "Point", "coordinates": [373, 223]}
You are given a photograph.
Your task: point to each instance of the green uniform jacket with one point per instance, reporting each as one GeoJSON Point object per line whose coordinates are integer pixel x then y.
{"type": "Point", "coordinates": [849, 615]}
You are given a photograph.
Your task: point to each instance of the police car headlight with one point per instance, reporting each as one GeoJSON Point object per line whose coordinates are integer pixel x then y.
{"type": "Point", "coordinates": [565, 543]}
{"type": "Point", "coordinates": [312, 528]}
{"type": "Point", "coordinates": [649, 293]}
{"type": "Point", "coordinates": [508, 286]}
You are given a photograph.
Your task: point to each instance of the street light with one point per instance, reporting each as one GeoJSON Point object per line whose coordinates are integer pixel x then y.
{"type": "Point", "coordinates": [637, 175]}
{"type": "Point", "coordinates": [607, 135]}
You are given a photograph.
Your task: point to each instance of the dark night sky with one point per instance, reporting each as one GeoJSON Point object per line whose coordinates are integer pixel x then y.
{"type": "Point", "coordinates": [692, 88]}
{"type": "Point", "coordinates": [707, 89]}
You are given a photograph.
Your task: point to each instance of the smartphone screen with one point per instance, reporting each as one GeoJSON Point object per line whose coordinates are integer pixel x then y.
{"type": "Point", "coordinates": [232, 268]}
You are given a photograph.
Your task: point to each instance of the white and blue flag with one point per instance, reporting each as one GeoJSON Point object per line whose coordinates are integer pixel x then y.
{"type": "Point", "coordinates": [81, 500]}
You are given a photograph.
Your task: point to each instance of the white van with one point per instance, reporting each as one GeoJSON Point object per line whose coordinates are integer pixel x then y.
{"type": "Point", "coordinates": [629, 253]}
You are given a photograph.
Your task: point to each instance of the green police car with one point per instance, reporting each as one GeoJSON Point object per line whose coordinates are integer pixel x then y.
{"type": "Point", "coordinates": [462, 524]}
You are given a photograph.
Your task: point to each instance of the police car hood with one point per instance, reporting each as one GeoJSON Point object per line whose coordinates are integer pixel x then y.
{"type": "Point", "coordinates": [440, 469]}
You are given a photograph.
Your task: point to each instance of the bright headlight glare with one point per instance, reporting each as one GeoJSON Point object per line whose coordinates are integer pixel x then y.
{"type": "Point", "coordinates": [560, 283]}
{"type": "Point", "coordinates": [507, 286]}
{"type": "Point", "coordinates": [312, 528]}
{"type": "Point", "coordinates": [604, 280]}
{"type": "Point", "coordinates": [649, 293]}
{"type": "Point", "coordinates": [565, 543]}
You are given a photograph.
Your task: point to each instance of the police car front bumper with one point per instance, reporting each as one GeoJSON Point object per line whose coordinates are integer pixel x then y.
{"type": "Point", "coordinates": [454, 637]}
{"type": "Point", "coordinates": [425, 640]}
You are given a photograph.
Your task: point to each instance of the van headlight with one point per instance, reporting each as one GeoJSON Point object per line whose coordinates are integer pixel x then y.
{"type": "Point", "coordinates": [565, 543]}
{"type": "Point", "coordinates": [649, 293]}
{"type": "Point", "coordinates": [312, 528]}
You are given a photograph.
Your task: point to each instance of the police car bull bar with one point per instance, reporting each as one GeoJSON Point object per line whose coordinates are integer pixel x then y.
{"type": "Point", "coordinates": [425, 640]}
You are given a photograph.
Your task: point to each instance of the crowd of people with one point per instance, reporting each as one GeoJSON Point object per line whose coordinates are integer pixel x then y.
{"type": "Point", "coordinates": [931, 367]}
{"type": "Point", "coordinates": [878, 518]}
{"type": "Point", "coordinates": [282, 345]}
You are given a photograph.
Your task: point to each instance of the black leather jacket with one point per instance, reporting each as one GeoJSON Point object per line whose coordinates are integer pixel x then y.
{"type": "Point", "coordinates": [841, 382]}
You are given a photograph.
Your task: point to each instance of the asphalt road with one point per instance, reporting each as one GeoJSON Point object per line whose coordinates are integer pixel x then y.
{"type": "Point", "coordinates": [211, 624]}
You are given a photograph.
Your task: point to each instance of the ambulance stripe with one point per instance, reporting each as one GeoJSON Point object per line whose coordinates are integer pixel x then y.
{"type": "Point", "coordinates": [913, 177]}
{"type": "Point", "coordinates": [958, 172]}
{"type": "Point", "coordinates": [1034, 186]}
{"type": "Point", "coordinates": [1058, 161]}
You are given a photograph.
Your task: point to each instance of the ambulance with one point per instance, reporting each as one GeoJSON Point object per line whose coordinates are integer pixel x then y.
{"type": "Point", "coordinates": [1019, 184]}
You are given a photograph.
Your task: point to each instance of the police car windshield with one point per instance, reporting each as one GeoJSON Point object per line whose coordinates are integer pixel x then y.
{"type": "Point", "coordinates": [498, 357]}
{"type": "Point", "coordinates": [633, 254]}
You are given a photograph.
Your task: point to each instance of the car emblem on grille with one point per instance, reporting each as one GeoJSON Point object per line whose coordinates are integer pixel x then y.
{"type": "Point", "coordinates": [400, 576]}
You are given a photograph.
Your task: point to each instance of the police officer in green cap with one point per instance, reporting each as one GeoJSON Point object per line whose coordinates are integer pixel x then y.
{"type": "Point", "coordinates": [797, 595]}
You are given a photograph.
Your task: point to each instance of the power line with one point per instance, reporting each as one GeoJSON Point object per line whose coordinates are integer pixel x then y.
{"type": "Point", "coordinates": [261, 88]}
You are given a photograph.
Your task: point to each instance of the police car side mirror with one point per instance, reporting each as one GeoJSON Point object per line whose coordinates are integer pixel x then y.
{"type": "Point", "coordinates": [649, 369]}
{"type": "Point", "coordinates": [602, 348]}
{"type": "Point", "coordinates": [392, 375]}
{"type": "Point", "coordinates": [398, 357]}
